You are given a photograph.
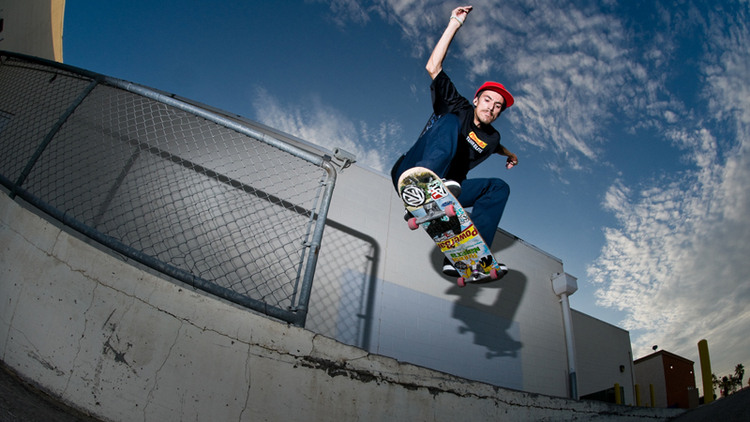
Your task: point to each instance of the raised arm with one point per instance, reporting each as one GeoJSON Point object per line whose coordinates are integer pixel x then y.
{"type": "Point", "coordinates": [435, 62]}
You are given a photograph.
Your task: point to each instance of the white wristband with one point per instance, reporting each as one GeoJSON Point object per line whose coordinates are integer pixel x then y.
{"type": "Point", "coordinates": [460, 22]}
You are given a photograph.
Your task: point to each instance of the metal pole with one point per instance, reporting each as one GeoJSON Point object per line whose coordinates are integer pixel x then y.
{"type": "Point", "coordinates": [637, 395]}
{"type": "Point", "coordinates": [708, 387]}
{"type": "Point", "coordinates": [568, 324]}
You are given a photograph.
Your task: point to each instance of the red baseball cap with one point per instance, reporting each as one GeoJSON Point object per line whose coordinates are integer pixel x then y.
{"type": "Point", "coordinates": [499, 88]}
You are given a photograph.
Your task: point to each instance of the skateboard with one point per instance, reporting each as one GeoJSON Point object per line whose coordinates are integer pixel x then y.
{"type": "Point", "coordinates": [434, 208]}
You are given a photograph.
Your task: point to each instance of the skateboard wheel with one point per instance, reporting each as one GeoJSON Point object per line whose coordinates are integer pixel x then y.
{"type": "Point", "coordinates": [461, 282]}
{"type": "Point", "coordinates": [412, 223]}
{"type": "Point", "coordinates": [450, 210]}
{"type": "Point", "coordinates": [494, 274]}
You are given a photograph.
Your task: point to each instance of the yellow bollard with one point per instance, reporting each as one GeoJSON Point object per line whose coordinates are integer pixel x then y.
{"type": "Point", "coordinates": [708, 387]}
{"type": "Point", "coordinates": [653, 394]}
{"type": "Point", "coordinates": [618, 399]}
{"type": "Point", "coordinates": [637, 395]}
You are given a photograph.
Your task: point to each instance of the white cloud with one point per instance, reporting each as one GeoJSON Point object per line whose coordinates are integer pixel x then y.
{"type": "Point", "coordinates": [569, 66]}
{"type": "Point", "coordinates": [677, 262]}
{"type": "Point", "coordinates": [329, 128]}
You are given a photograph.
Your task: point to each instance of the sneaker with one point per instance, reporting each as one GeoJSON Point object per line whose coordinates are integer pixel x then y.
{"type": "Point", "coordinates": [453, 186]}
{"type": "Point", "coordinates": [449, 269]}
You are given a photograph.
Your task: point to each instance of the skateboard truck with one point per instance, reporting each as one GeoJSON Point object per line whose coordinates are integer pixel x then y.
{"type": "Point", "coordinates": [478, 275]}
{"type": "Point", "coordinates": [435, 214]}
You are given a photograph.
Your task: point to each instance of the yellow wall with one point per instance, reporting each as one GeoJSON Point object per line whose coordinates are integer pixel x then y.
{"type": "Point", "coordinates": [33, 27]}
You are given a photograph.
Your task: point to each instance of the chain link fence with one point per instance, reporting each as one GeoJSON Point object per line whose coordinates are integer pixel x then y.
{"type": "Point", "coordinates": [188, 192]}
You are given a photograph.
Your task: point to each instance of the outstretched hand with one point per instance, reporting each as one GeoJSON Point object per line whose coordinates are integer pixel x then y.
{"type": "Point", "coordinates": [460, 13]}
{"type": "Point", "coordinates": [511, 161]}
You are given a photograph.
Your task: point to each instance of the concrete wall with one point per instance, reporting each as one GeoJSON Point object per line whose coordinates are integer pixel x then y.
{"type": "Point", "coordinates": [124, 344]}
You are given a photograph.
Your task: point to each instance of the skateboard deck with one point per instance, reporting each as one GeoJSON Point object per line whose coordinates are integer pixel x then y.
{"type": "Point", "coordinates": [434, 208]}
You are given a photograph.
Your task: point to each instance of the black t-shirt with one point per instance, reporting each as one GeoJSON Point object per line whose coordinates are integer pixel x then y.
{"type": "Point", "coordinates": [475, 144]}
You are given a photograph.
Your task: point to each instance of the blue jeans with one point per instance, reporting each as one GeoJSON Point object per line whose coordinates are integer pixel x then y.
{"type": "Point", "coordinates": [435, 150]}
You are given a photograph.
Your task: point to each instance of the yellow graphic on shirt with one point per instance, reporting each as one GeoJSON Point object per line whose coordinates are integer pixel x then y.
{"type": "Point", "coordinates": [475, 142]}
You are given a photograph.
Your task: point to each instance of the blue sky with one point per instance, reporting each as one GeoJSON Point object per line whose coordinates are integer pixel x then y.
{"type": "Point", "coordinates": [631, 123]}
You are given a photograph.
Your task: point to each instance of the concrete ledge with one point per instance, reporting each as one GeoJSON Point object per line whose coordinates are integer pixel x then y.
{"type": "Point", "coordinates": [122, 344]}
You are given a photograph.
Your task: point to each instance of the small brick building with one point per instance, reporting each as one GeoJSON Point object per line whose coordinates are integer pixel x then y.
{"type": "Point", "coordinates": [672, 378]}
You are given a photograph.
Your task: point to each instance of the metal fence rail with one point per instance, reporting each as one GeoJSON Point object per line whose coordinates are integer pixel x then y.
{"type": "Point", "coordinates": [186, 191]}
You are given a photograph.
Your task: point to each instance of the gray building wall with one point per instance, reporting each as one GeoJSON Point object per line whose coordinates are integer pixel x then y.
{"type": "Point", "coordinates": [507, 333]}
{"type": "Point", "coordinates": [651, 372]}
{"type": "Point", "coordinates": [379, 286]}
{"type": "Point", "coordinates": [604, 357]}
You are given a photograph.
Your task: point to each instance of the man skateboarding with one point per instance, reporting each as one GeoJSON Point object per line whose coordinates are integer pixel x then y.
{"type": "Point", "coordinates": [459, 136]}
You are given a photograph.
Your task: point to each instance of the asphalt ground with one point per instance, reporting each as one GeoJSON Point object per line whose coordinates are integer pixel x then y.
{"type": "Point", "coordinates": [21, 402]}
{"type": "Point", "coordinates": [735, 408]}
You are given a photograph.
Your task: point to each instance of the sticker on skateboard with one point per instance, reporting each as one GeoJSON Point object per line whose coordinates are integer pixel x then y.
{"type": "Point", "coordinates": [434, 208]}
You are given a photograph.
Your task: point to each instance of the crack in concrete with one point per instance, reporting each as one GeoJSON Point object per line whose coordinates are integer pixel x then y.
{"type": "Point", "coordinates": [248, 382]}
{"type": "Point", "coordinates": [155, 386]}
{"type": "Point", "coordinates": [80, 339]}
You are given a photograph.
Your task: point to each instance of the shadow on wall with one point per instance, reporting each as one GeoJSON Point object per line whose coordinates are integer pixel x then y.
{"type": "Point", "coordinates": [343, 297]}
{"type": "Point", "coordinates": [508, 294]}
{"type": "Point", "coordinates": [351, 304]}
